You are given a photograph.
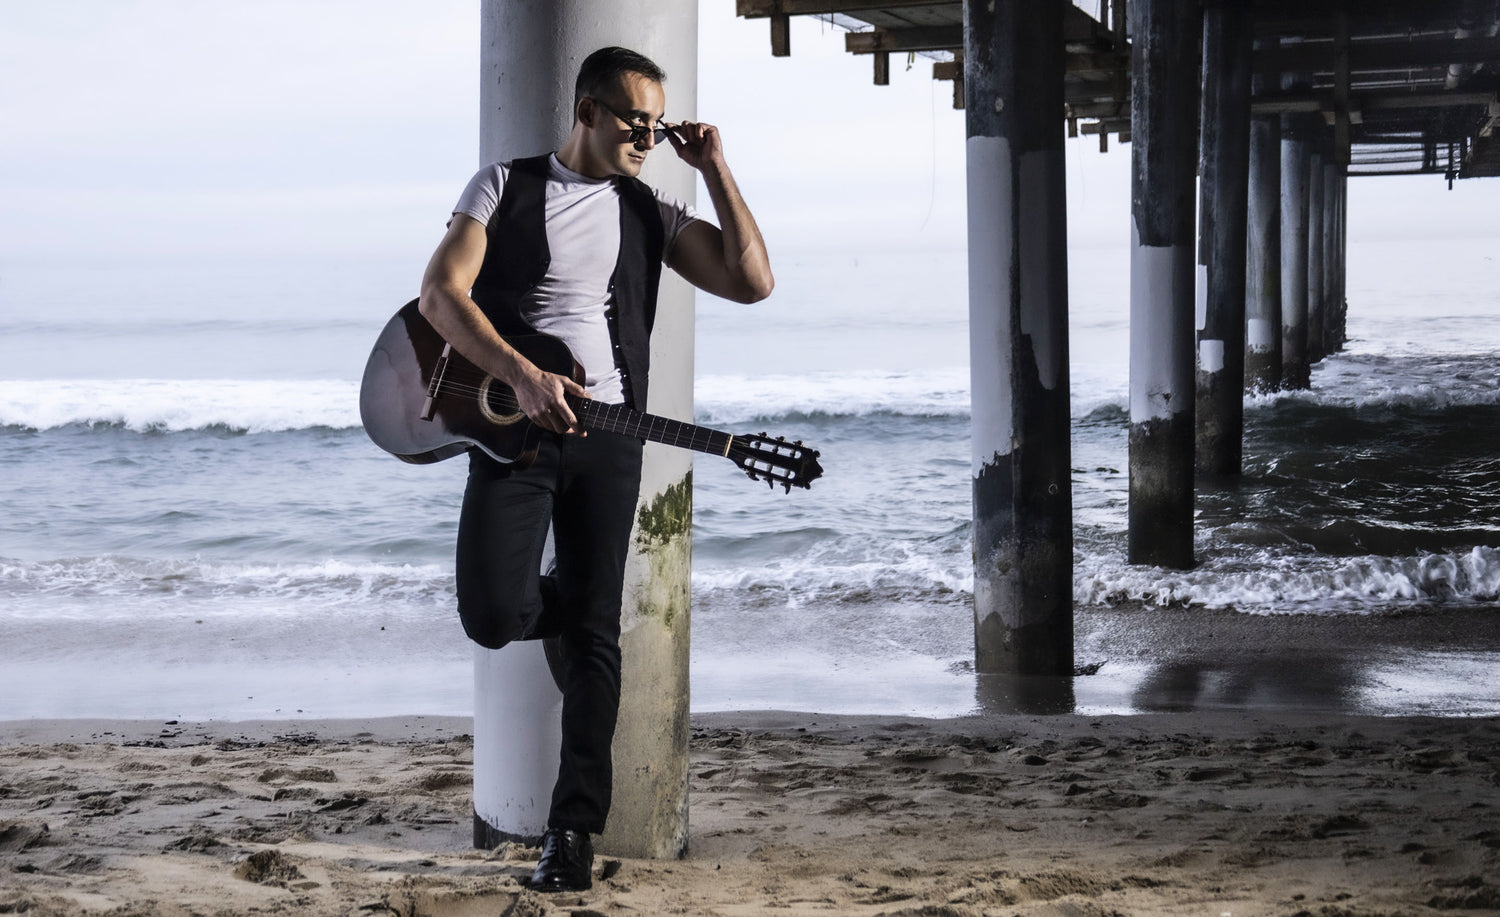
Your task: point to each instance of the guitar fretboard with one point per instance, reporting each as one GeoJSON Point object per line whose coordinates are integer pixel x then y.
{"type": "Point", "coordinates": [619, 418]}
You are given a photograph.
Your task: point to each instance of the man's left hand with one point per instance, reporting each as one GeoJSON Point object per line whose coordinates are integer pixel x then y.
{"type": "Point", "coordinates": [697, 144]}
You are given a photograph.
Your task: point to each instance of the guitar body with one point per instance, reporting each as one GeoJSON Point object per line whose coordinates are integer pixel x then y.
{"type": "Point", "coordinates": [475, 409]}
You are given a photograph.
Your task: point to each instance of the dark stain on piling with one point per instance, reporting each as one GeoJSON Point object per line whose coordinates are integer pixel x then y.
{"type": "Point", "coordinates": [667, 517]}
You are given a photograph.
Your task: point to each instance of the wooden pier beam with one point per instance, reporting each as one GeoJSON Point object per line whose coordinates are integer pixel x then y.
{"type": "Point", "coordinates": [1225, 147]}
{"type": "Point", "coordinates": [1263, 249]}
{"type": "Point", "coordinates": [1018, 333]}
{"type": "Point", "coordinates": [1295, 161]}
{"type": "Point", "coordinates": [1316, 289]}
{"type": "Point", "coordinates": [1163, 127]}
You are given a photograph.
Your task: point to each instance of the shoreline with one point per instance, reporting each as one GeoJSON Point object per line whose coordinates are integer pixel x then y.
{"type": "Point", "coordinates": [1426, 660]}
{"type": "Point", "coordinates": [1271, 812]}
{"type": "Point", "coordinates": [417, 728]}
{"type": "Point", "coordinates": [183, 733]}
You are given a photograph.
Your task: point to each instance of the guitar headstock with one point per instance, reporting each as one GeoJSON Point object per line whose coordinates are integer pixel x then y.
{"type": "Point", "coordinates": [776, 461]}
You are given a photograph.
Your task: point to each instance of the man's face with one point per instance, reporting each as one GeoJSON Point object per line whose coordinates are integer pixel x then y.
{"type": "Point", "coordinates": [634, 101]}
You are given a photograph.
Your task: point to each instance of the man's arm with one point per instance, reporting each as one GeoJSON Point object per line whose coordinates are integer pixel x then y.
{"type": "Point", "coordinates": [445, 303]}
{"type": "Point", "coordinates": [730, 261]}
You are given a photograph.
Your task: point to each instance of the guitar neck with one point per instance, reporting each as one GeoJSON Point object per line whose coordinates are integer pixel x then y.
{"type": "Point", "coordinates": [619, 418]}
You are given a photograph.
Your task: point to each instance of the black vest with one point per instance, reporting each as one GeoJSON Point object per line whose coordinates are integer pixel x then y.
{"type": "Point", "coordinates": [516, 258]}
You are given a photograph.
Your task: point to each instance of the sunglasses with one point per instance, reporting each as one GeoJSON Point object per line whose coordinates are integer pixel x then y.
{"type": "Point", "coordinates": [638, 132]}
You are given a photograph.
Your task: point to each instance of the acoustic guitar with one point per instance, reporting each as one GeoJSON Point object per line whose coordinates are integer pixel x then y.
{"type": "Point", "coordinates": [421, 401]}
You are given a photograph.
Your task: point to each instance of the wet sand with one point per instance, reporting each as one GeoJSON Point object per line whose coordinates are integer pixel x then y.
{"type": "Point", "coordinates": [1206, 812]}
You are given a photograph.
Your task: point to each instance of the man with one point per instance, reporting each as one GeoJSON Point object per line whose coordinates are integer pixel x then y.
{"type": "Point", "coordinates": [572, 245]}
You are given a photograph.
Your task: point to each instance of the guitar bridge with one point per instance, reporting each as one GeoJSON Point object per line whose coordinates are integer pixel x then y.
{"type": "Point", "coordinates": [429, 407]}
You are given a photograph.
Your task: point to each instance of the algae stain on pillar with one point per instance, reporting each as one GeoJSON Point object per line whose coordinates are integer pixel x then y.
{"type": "Point", "coordinates": [663, 537]}
{"type": "Point", "coordinates": [650, 813]}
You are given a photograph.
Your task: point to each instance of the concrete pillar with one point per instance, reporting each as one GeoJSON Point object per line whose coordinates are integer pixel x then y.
{"type": "Point", "coordinates": [1331, 299]}
{"type": "Point", "coordinates": [1315, 279]}
{"type": "Point", "coordinates": [1263, 270]}
{"type": "Point", "coordinates": [1018, 333]}
{"type": "Point", "coordinates": [1294, 169]}
{"type": "Point", "coordinates": [1225, 182]}
{"type": "Point", "coordinates": [1164, 115]}
{"type": "Point", "coordinates": [529, 58]}
{"type": "Point", "coordinates": [1343, 257]}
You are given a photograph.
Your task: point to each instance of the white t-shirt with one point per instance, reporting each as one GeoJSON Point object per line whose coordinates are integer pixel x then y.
{"type": "Point", "coordinates": [583, 236]}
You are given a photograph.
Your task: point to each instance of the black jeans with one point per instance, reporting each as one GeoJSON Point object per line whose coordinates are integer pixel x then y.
{"type": "Point", "coordinates": [586, 487]}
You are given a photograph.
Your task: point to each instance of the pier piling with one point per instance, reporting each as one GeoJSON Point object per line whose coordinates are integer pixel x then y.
{"type": "Point", "coordinates": [1263, 249]}
{"type": "Point", "coordinates": [1341, 292]}
{"type": "Point", "coordinates": [1225, 146]}
{"type": "Point", "coordinates": [1316, 288]}
{"type": "Point", "coordinates": [529, 58]}
{"type": "Point", "coordinates": [1294, 169]}
{"type": "Point", "coordinates": [1018, 333]}
{"type": "Point", "coordinates": [1331, 342]}
{"type": "Point", "coordinates": [1163, 126]}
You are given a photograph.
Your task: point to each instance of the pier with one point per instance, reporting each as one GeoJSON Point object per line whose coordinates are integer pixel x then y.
{"type": "Point", "coordinates": [1246, 120]}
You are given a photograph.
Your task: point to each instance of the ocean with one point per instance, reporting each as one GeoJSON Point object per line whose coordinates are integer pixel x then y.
{"type": "Point", "coordinates": [195, 525]}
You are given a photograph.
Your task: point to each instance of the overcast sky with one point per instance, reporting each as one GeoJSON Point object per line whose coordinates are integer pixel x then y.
{"type": "Point", "coordinates": [171, 128]}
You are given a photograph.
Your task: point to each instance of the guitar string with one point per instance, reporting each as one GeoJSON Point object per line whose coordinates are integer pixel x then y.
{"type": "Point", "coordinates": [459, 381]}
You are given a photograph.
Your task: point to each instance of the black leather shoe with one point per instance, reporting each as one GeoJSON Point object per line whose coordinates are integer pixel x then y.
{"type": "Point", "coordinates": [567, 863]}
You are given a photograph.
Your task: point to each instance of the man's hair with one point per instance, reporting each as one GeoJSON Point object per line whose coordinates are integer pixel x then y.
{"type": "Point", "coordinates": [605, 66]}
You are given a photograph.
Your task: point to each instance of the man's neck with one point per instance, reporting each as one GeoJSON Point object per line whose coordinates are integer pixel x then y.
{"type": "Point", "coordinates": [573, 156]}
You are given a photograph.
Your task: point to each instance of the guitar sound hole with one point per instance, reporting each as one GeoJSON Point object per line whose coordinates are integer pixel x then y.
{"type": "Point", "coordinates": [498, 404]}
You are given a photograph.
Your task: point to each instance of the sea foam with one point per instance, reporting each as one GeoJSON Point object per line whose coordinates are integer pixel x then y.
{"type": "Point", "coordinates": [292, 585]}
{"type": "Point", "coordinates": [732, 399]}
{"type": "Point", "coordinates": [1259, 585]}
{"type": "Point", "coordinates": [273, 406]}
{"type": "Point", "coordinates": [176, 405]}
{"type": "Point", "coordinates": [1287, 585]}
{"type": "Point", "coordinates": [1301, 584]}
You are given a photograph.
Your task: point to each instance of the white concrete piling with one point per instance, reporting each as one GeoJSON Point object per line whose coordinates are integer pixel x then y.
{"type": "Point", "coordinates": [529, 57]}
{"type": "Point", "coordinates": [1164, 117]}
{"type": "Point", "coordinates": [1018, 312]}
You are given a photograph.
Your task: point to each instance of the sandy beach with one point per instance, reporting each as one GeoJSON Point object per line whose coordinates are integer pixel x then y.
{"type": "Point", "coordinates": [1218, 813]}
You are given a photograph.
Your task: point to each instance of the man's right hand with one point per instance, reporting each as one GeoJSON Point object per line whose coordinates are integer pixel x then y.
{"type": "Point", "coordinates": [542, 397]}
